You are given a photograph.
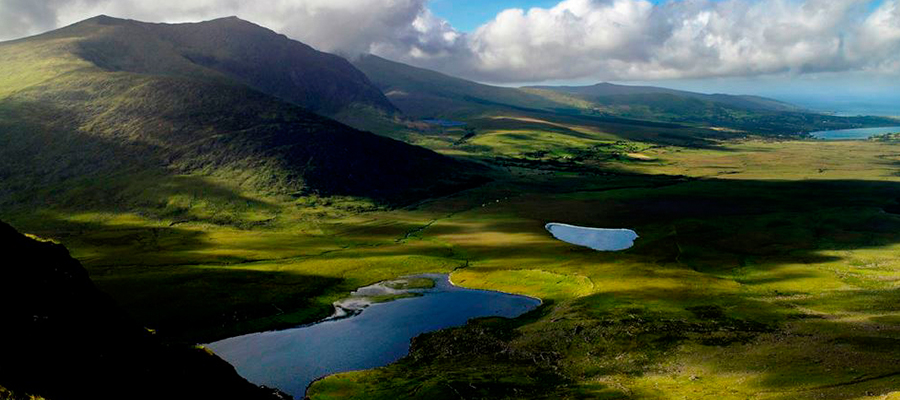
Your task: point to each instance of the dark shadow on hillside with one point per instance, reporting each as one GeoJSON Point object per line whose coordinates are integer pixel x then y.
{"type": "Point", "coordinates": [223, 301]}
{"type": "Point", "coordinates": [166, 278]}
{"type": "Point", "coordinates": [64, 338]}
{"type": "Point", "coordinates": [48, 163]}
{"type": "Point", "coordinates": [173, 125]}
{"type": "Point", "coordinates": [707, 225]}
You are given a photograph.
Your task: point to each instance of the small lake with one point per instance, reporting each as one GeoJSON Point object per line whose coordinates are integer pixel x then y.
{"type": "Point", "coordinates": [850, 134]}
{"type": "Point", "coordinates": [595, 238]}
{"type": "Point", "coordinates": [362, 335]}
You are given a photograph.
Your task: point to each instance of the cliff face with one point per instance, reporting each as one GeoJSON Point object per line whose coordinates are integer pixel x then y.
{"type": "Point", "coordinates": [62, 338]}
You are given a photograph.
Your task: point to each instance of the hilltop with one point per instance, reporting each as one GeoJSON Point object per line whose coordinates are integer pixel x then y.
{"type": "Point", "coordinates": [227, 47]}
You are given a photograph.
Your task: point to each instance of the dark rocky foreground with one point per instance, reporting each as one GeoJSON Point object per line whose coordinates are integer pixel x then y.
{"type": "Point", "coordinates": [62, 338]}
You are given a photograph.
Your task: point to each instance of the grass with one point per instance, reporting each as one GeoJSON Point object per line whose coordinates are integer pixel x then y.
{"type": "Point", "coordinates": [733, 289]}
{"type": "Point", "coordinates": [530, 143]}
{"type": "Point", "coordinates": [6, 394]}
{"type": "Point", "coordinates": [787, 160]}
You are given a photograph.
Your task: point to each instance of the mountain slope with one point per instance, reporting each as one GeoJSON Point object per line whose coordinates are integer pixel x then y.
{"type": "Point", "coordinates": [605, 93]}
{"type": "Point", "coordinates": [240, 50]}
{"type": "Point", "coordinates": [752, 114]}
{"type": "Point", "coordinates": [64, 339]}
{"type": "Point", "coordinates": [422, 93]}
{"type": "Point", "coordinates": [77, 108]}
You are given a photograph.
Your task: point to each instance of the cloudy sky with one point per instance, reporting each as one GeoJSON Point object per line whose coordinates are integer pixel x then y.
{"type": "Point", "coordinates": [813, 46]}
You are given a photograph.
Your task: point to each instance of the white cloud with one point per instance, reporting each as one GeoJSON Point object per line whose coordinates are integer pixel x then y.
{"type": "Point", "coordinates": [576, 39]}
{"type": "Point", "coordinates": [634, 39]}
{"type": "Point", "coordinates": [346, 26]}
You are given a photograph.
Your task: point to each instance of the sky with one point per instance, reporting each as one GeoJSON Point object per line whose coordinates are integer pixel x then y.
{"type": "Point", "coordinates": [467, 15]}
{"type": "Point", "coordinates": [812, 49]}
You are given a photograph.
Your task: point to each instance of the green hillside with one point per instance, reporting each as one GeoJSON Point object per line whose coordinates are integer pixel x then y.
{"type": "Point", "coordinates": [97, 113]}
{"type": "Point", "coordinates": [422, 93]}
{"type": "Point", "coordinates": [605, 89]}
{"type": "Point", "coordinates": [752, 114]}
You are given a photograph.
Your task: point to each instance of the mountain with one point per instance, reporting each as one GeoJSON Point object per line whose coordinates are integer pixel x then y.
{"type": "Point", "coordinates": [106, 100]}
{"type": "Point", "coordinates": [237, 49]}
{"type": "Point", "coordinates": [744, 113]}
{"type": "Point", "coordinates": [422, 93]}
{"type": "Point", "coordinates": [64, 339]}
{"type": "Point", "coordinates": [604, 91]}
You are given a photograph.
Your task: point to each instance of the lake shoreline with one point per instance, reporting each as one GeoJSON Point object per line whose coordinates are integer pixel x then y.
{"type": "Point", "coordinates": [853, 134]}
{"type": "Point", "coordinates": [372, 336]}
{"type": "Point", "coordinates": [450, 280]}
{"type": "Point", "coordinates": [599, 239]}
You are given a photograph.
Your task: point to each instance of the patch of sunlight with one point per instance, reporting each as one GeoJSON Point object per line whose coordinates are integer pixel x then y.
{"type": "Point", "coordinates": [530, 282]}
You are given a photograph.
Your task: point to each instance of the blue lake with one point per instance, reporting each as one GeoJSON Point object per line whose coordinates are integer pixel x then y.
{"type": "Point", "coordinates": [596, 238]}
{"type": "Point", "coordinates": [849, 134]}
{"type": "Point", "coordinates": [372, 336]}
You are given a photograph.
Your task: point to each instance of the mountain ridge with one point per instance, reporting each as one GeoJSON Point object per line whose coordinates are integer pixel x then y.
{"type": "Point", "coordinates": [607, 89]}
{"type": "Point", "coordinates": [66, 119]}
{"type": "Point", "coordinates": [436, 94]}
{"type": "Point", "coordinates": [236, 49]}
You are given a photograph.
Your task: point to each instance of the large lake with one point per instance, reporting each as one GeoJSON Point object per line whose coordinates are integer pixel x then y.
{"type": "Point", "coordinates": [596, 238]}
{"type": "Point", "coordinates": [849, 134]}
{"type": "Point", "coordinates": [369, 337]}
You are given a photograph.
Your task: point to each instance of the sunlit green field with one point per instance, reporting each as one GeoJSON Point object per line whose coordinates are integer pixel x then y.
{"type": "Point", "coordinates": [764, 269]}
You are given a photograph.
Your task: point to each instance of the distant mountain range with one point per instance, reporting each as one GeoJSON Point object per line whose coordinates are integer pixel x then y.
{"type": "Point", "coordinates": [422, 93]}
{"type": "Point", "coordinates": [608, 93]}
{"type": "Point", "coordinates": [107, 100]}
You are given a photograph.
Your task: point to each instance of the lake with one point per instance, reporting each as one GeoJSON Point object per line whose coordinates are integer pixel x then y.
{"type": "Point", "coordinates": [850, 134]}
{"type": "Point", "coordinates": [369, 336]}
{"type": "Point", "coordinates": [596, 238]}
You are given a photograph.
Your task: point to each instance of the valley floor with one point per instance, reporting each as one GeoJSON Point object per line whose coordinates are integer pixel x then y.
{"type": "Point", "coordinates": [764, 269]}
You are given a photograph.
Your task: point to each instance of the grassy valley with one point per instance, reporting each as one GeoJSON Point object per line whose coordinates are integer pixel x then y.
{"type": "Point", "coordinates": [208, 205]}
